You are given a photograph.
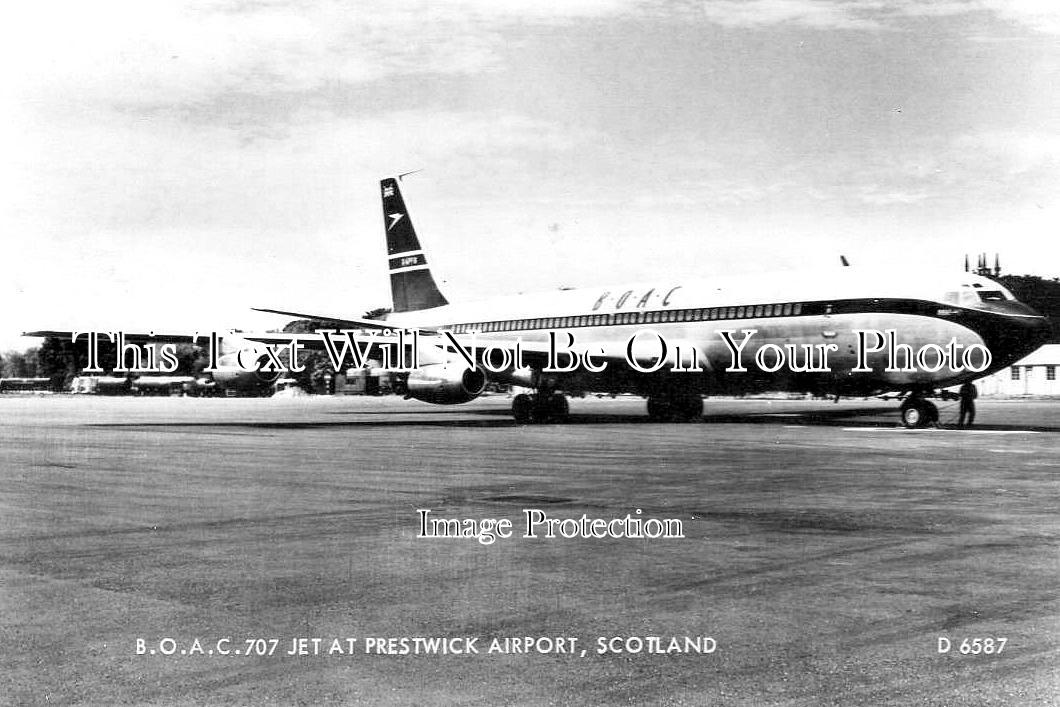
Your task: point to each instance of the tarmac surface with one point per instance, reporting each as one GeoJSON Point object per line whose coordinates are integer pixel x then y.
{"type": "Point", "coordinates": [826, 552]}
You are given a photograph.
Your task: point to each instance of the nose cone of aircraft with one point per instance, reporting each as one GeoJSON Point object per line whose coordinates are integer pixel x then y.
{"type": "Point", "coordinates": [1037, 331]}
{"type": "Point", "coordinates": [1041, 331]}
{"type": "Point", "coordinates": [1014, 332]}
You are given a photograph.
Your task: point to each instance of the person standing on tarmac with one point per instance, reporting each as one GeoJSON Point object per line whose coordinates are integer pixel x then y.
{"type": "Point", "coordinates": [968, 395]}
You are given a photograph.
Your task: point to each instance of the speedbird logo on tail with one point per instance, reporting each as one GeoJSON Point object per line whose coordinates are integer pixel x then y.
{"type": "Point", "coordinates": [394, 218]}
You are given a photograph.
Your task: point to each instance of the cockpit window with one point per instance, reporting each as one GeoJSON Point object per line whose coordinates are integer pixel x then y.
{"type": "Point", "coordinates": [992, 296]}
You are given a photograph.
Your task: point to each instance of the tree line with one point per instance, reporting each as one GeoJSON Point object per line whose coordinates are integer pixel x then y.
{"type": "Point", "coordinates": [61, 361]}
{"type": "Point", "coordinates": [1039, 293]}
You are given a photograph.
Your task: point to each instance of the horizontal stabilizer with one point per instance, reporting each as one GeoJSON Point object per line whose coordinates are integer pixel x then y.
{"type": "Point", "coordinates": [130, 337]}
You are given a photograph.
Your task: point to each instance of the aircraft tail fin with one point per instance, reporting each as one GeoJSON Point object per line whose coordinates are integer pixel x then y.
{"type": "Point", "coordinates": [411, 283]}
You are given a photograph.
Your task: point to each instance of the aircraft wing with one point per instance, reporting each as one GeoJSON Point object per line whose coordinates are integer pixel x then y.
{"type": "Point", "coordinates": [433, 343]}
{"type": "Point", "coordinates": [448, 346]}
{"type": "Point", "coordinates": [433, 347]}
{"type": "Point", "coordinates": [346, 322]}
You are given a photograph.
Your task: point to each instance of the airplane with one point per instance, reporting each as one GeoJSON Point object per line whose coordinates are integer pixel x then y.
{"type": "Point", "coordinates": [248, 375]}
{"type": "Point", "coordinates": [618, 333]}
{"type": "Point", "coordinates": [791, 315]}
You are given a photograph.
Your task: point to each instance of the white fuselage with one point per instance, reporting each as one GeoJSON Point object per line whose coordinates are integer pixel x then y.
{"type": "Point", "coordinates": [823, 312]}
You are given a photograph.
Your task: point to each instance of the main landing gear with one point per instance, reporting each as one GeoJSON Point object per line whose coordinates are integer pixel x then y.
{"type": "Point", "coordinates": [918, 413]}
{"type": "Point", "coordinates": [675, 406]}
{"type": "Point", "coordinates": [542, 407]}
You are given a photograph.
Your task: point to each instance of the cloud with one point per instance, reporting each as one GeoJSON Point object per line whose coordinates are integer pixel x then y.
{"type": "Point", "coordinates": [983, 169]}
{"type": "Point", "coordinates": [168, 51]}
{"type": "Point", "coordinates": [820, 14]}
{"type": "Point", "coordinates": [173, 216]}
{"type": "Point", "coordinates": [255, 62]}
{"type": "Point", "coordinates": [127, 174]}
{"type": "Point", "coordinates": [874, 196]}
{"type": "Point", "coordinates": [1038, 15]}
{"type": "Point", "coordinates": [1010, 154]}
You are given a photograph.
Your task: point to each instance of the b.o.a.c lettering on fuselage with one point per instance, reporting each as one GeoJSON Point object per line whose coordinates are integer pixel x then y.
{"type": "Point", "coordinates": [635, 299]}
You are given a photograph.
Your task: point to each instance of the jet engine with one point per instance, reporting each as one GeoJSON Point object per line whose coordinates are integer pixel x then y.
{"type": "Point", "coordinates": [229, 374]}
{"type": "Point", "coordinates": [446, 384]}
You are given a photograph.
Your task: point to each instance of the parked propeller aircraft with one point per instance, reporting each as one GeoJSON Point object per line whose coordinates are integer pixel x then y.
{"type": "Point", "coordinates": [848, 331]}
{"type": "Point", "coordinates": [239, 364]}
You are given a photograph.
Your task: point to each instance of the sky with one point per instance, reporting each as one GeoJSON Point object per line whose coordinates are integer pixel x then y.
{"type": "Point", "coordinates": [168, 165]}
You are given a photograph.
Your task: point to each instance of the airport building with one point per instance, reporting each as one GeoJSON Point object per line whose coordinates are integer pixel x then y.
{"type": "Point", "coordinates": [1034, 375]}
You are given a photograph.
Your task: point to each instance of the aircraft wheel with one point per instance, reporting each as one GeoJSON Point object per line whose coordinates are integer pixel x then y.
{"type": "Point", "coordinates": [658, 409]}
{"type": "Point", "coordinates": [551, 407]}
{"type": "Point", "coordinates": [558, 408]}
{"type": "Point", "coordinates": [522, 409]}
{"type": "Point", "coordinates": [691, 408]}
{"type": "Point", "coordinates": [917, 414]}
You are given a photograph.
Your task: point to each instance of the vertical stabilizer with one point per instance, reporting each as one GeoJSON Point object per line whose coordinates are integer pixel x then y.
{"type": "Point", "coordinates": [411, 283]}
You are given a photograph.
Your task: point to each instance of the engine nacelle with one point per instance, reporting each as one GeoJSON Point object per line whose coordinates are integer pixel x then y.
{"type": "Point", "coordinates": [229, 374]}
{"type": "Point", "coordinates": [446, 384]}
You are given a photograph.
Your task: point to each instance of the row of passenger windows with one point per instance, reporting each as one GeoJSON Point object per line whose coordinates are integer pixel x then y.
{"type": "Point", "coordinates": [673, 315]}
